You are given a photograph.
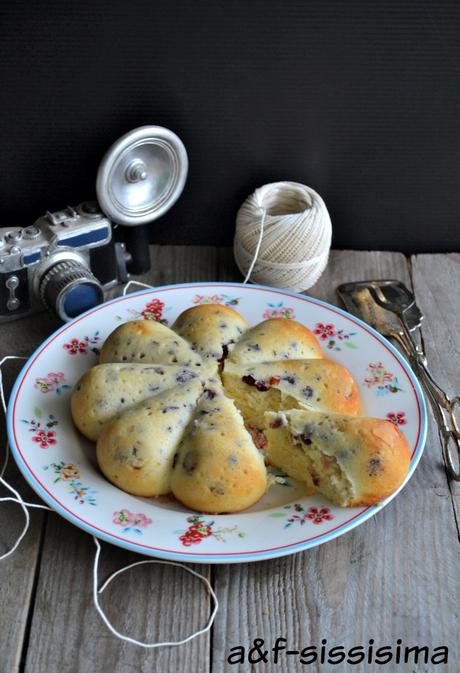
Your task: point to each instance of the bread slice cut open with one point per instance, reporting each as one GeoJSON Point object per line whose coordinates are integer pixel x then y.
{"type": "Point", "coordinates": [290, 384]}
{"type": "Point", "coordinates": [354, 461]}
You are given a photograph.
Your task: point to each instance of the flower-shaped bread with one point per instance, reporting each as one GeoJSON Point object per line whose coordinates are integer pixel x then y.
{"type": "Point", "coordinates": [184, 410]}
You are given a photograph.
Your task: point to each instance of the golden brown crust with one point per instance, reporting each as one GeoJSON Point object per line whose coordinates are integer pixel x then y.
{"type": "Point", "coordinates": [215, 467]}
{"type": "Point", "coordinates": [109, 389]}
{"type": "Point", "coordinates": [147, 341]}
{"type": "Point", "coordinates": [369, 457]}
{"type": "Point", "coordinates": [210, 327]}
{"type": "Point", "coordinates": [276, 339]}
{"type": "Point", "coordinates": [384, 461]}
{"type": "Point", "coordinates": [218, 468]}
{"type": "Point", "coordinates": [136, 451]}
{"type": "Point", "coordinates": [318, 384]}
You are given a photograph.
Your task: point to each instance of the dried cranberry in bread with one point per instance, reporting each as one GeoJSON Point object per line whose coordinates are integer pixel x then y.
{"type": "Point", "coordinates": [290, 384]}
{"type": "Point", "coordinates": [354, 461]}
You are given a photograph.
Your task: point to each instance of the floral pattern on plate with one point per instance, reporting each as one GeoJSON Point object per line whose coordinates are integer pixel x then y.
{"type": "Point", "coordinates": [302, 515]}
{"type": "Point", "coordinates": [224, 299]}
{"type": "Point", "coordinates": [381, 379]}
{"type": "Point", "coordinates": [41, 429]}
{"type": "Point", "coordinates": [69, 474]}
{"type": "Point", "coordinates": [278, 310]}
{"type": "Point", "coordinates": [397, 417]}
{"type": "Point", "coordinates": [199, 530]}
{"type": "Point", "coordinates": [83, 346]}
{"type": "Point", "coordinates": [131, 523]}
{"type": "Point", "coordinates": [52, 382]}
{"type": "Point", "coordinates": [333, 338]}
{"type": "Point", "coordinates": [153, 310]}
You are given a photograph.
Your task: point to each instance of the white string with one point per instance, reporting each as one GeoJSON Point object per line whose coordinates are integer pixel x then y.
{"type": "Point", "coordinates": [134, 282]}
{"type": "Point", "coordinates": [22, 504]}
{"type": "Point", "coordinates": [18, 498]}
{"type": "Point", "coordinates": [27, 504]}
{"type": "Point", "coordinates": [96, 590]}
{"type": "Point", "coordinates": [2, 397]}
{"type": "Point", "coordinates": [128, 639]}
{"type": "Point", "coordinates": [259, 243]}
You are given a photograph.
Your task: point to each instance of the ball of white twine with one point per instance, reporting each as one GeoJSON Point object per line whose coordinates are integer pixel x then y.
{"type": "Point", "coordinates": [283, 236]}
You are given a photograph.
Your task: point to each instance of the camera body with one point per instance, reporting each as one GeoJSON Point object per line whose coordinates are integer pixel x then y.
{"type": "Point", "coordinates": [65, 261]}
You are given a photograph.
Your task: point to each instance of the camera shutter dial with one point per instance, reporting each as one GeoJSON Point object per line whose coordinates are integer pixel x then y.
{"type": "Point", "coordinates": [32, 232]}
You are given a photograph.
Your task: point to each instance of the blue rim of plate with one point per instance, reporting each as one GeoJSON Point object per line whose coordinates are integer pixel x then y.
{"type": "Point", "coordinates": [243, 556]}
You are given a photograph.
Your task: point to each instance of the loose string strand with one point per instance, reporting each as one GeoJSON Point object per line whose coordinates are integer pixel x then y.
{"type": "Point", "coordinates": [3, 401]}
{"type": "Point", "coordinates": [174, 643]}
{"type": "Point", "coordinates": [96, 590]}
{"type": "Point", "coordinates": [257, 250]}
{"type": "Point", "coordinates": [18, 498]}
{"type": "Point", "coordinates": [130, 283]}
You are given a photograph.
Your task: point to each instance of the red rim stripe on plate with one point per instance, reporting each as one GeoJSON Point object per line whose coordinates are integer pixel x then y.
{"type": "Point", "coordinates": [187, 553]}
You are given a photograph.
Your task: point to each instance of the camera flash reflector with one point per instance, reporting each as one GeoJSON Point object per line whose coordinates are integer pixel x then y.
{"type": "Point", "coordinates": [142, 175]}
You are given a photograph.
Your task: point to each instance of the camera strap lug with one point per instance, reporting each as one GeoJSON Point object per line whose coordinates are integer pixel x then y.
{"type": "Point", "coordinates": [12, 284]}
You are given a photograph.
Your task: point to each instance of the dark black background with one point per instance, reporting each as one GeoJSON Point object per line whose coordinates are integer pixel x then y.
{"type": "Point", "coordinates": [360, 100]}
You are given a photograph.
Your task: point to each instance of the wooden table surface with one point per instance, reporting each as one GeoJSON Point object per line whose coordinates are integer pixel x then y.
{"type": "Point", "coordinates": [396, 576]}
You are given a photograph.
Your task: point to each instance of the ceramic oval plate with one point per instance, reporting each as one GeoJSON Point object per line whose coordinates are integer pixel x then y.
{"type": "Point", "coordinates": [60, 464]}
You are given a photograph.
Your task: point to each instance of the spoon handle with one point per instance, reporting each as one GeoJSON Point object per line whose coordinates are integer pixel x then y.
{"type": "Point", "coordinates": [443, 406]}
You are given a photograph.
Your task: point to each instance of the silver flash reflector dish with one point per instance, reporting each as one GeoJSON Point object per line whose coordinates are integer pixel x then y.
{"type": "Point", "coordinates": [142, 175]}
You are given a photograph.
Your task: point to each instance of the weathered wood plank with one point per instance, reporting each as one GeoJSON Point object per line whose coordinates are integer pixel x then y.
{"type": "Point", "coordinates": [17, 575]}
{"type": "Point", "coordinates": [382, 580]}
{"type": "Point", "coordinates": [436, 280]}
{"type": "Point", "coordinates": [385, 580]}
{"type": "Point", "coordinates": [18, 572]}
{"type": "Point", "coordinates": [152, 603]}
{"type": "Point", "coordinates": [149, 603]}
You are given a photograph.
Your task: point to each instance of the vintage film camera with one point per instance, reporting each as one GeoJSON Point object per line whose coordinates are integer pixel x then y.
{"type": "Point", "coordinates": [66, 259]}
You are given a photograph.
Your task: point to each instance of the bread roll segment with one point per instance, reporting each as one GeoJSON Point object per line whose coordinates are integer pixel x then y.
{"type": "Point", "coordinates": [136, 450]}
{"type": "Point", "coordinates": [218, 469]}
{"type": "Point", "coordinates": [354, 461]}
{"type": "Point", "coordinates": [163, 425]}
{"type": "Point", "coordinates": [106, 390]}
{"type": "Point", "coordinates": [275, 339]}
{"type": "Point", "coordinates": [210, 329]}
{"type": "Point", "coordinates": [147, 341]}
{"type": "Point", "coordinates": [290, 384]}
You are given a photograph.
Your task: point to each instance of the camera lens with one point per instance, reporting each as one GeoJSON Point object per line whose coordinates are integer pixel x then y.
{"type": "Point", "coordinates": [78, 299]}
{"type": "Point", "coordinates": [69, 288]}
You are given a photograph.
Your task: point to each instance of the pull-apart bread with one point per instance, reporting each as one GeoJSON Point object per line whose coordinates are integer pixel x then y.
{"type": "Point", "coordinates": [175, 410]}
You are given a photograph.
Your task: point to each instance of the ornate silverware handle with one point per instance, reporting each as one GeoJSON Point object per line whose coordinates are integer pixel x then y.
{"type": "Point", "coordinates": [444, 410]}
{"type": "Point", "coordinates": [443, 406]}
{"type": "Point", "coordinates": [395, 297]}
